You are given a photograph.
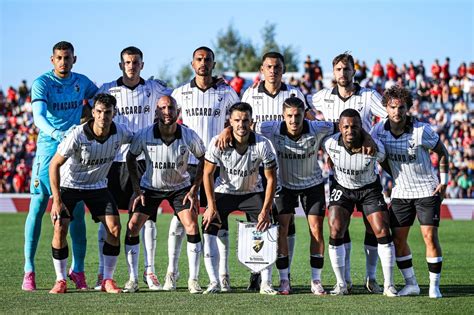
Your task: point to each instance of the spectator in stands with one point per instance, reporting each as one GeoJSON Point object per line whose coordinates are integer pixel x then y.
{"type": "Point", "coordinates": [436, 70]}
{"type": "Point", "coordinates": [445, 75]}
{"type": "Point", "coordinates": [391, 70]}
{"type": "Point", "coordinates": [237, 83]}
{"type": "Point", "coordinates": [378, 73]}
{"type": "Point", "coordinates": [23, 92]}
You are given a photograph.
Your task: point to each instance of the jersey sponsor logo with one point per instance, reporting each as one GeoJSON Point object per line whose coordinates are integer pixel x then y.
{"type": "Point", "coordinates": [295, 156]}
{"type": "Point", "coordinates": [186, 92]}
{"type": "Point", "coordinates": [66, 105]}
{"type": "Point", "coordinates": [335, 151]}
{"type": "Point", "coordinates": [401, 157]}
{"type": "Point", "coordinates": [268, 117]}
{"type": "Point", "coordinates": [164, 165]}
{"type": "Point", "coordinates": [257, 97]}
{"type": "Point", "coordinates": [97, 161]}
{"type": "Point", "coordinates": [240, 172]}
{"type": "Point", "coordinates": [199, 111]}
{"type": "Point", "coordinates": [133, 110]}
{"type": "Point", "coordinates": [328, 100]}
{"type": "Point", "coordinates": [350, 172]}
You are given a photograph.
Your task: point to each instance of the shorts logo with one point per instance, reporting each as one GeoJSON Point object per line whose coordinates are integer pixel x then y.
{"type": "Point", "coordinates": [36, 183]}
{"type": "Point", "coordinates": [257, 241]}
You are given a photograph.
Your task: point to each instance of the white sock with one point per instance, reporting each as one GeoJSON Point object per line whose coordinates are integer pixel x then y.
{"type": "Point", "coordinates": [149, 245]}
{"type": "Point", "coordinates": [194, 255]}
{"type": "Point", "coordinates": [408, 273]}
{"type": "Point", "coordinates": [132, 253]}
{"type": "Point", "coordinates": [60, 267]}
{"type": "Point", "coordinates": [101, 235]}
{"type": "Point", "coordinates": [266, 275]}
{"type": "Point", "coordinates": [316, 272]}
{"type": "Point", "coordinates": [337, 256]}
{"type": "Point", "coordinates": [347, 262]}
{"type": "Point", "coordinates": [434, 277]}
{"type": "Point", "coordinates": [387, 259]}
{"type": "Point", "coordinates": [211, 256]}
{"type": "Point", "coordinates": [283, 274]}
{"type": "Point", "coordinates": [291, 249]}
{"type": "Point", "coordinates": [175, 240]}
{"type": "Point", "coordinates": [110, 262]}
{"type": "Point", "coordinates": [371, 259]}
{"type": "Point", "coordinates": [223, 247]}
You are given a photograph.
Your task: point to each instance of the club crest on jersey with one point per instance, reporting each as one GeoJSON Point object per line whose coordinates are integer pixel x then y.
{"type": "Point", "coordinates": [226, 155]}
{"type": "Point", "coordinates": [182, 149]}
{"type": "Point", "coordinates": [312, 142]}
{"type": "Point", "coordinates": [116, 145]}
{"type": "Point", "coordinates": [257, 241]}
{"type": "Point", "coordinates": [360, 109]}
{"type": "Point", "coordinates": [77, 88]}
{"type": "Point", "coordinates": [36, 183]}
{"type": "Point", "coordinates": [147, 92]}
{"type": "Point", "coordinates": [220, 98]}
{"type": "Point", "coordinates": [217, 112]}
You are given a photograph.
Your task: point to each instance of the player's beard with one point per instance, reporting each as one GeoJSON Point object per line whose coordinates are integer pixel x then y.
{"type": "Point", "coordinates": [344, 82]}
{"type": "Point", "coordinates": [169, 122]}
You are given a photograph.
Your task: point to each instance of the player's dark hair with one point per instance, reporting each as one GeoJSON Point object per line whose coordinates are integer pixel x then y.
{"type": "Point", "coordinates": [293, 102]}
{"type": "Point", "coordinates": [345, 57]}
{"type": "Point", "coordinates": [351, 113]}
{"type": "Point", "coordinates": [209, 50]}
{"type": "Point", "coordinates": [131, 50]}
{"type": "Point", "coordinates": [398, 93]}
{"type": "Point", "coordinates": [63, 45]}
{"type": "Point", "coordinates": [241, 107]}
{"type": "Point", "coordinates": [105, 99]}
{"type": "Point", "coordinates": [273, 54]}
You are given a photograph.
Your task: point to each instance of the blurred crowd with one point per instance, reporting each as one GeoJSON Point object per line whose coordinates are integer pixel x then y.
{"type": "Point", "coordinates": [444, 97]}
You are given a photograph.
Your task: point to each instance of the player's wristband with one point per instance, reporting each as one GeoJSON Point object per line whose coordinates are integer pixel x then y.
{"type": "Point", "coordinates": [444, 178]}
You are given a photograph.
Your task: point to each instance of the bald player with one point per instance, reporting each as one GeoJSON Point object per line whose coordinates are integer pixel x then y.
{"type": "Point", "coordinates": [330, 102]}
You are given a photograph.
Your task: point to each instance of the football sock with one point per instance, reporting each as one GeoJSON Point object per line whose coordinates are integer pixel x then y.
{"type": "Point", "coordinates": [175, 240]}
{"type": "Point", "coordinates": [223, 248]}
{"type": "Point", "coordinates": [194, 249]}
{"type": "Point", "coordinates": [317, 263]}
{"type": "Point", "coordinates": [60, 262]}
{"type": "Point", "coordinates": [149, 245]}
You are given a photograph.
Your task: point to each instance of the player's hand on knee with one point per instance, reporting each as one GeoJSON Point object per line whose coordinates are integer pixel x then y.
{"type": "Point", "coordinates": [208, 216]}
{"type": "Point", "coordinates": [225, 139]}
{"type": "Point", "coordinates": [56, 211]}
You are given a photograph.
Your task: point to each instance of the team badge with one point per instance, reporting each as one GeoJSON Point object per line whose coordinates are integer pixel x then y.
{"type": "Point", "coordinates": [77, 88]}
{"type": "Point", "coordinates": [147, 92]}
{"type": "Point", "coordinates": [220, 98]}
{"type": "Point", "coordinates": [257, 241]}
{"type": "Point", "coordinates": [36, 183]}
{"type": "Point", "coordinates": [182, 149]}
{"type": "Point", "coordinates": [116, 145]}
{"type": "Point", "coordinates": [312, 142]}
{"type": "Point", "coordinates": [360, 109]}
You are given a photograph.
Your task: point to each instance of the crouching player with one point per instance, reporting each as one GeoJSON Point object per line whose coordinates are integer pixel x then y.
{"type": "Point", "coordinates": [166, 146]}
{"type": "Point", "coordinates": [356, 183]}
{"type": "Point", "coordinates": [78, 172]}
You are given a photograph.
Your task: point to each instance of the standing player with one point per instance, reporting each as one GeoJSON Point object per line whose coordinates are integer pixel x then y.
{"type": "Point", "coordinates": [166, 146]}
{"type": "Point", "coordinates": [331, 103]}
{"type": "Point", "coordinates": [297, 142]}
{"type": "Point", "coordinates": [78, 173]}
{"type": "Point", "coordinates": [356, 183]}
{"type": "Point", "coordinates": [417, 190]}
{"type": "Point", "coordinates": [136, 102]}
{"type": "Point", "coordinates": [238, 187]}
{"type": "Point", "coordinates": [57, 100]}
{"type": "Point", "coordinates": [204, 104]}
{"type": "Point", "coordinates": [266, 100]}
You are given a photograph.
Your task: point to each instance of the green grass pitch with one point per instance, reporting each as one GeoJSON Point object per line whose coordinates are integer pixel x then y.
{"type": "Point", "coordinates": [457, 280]}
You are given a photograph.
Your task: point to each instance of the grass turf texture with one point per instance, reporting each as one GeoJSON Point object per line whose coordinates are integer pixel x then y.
{"type": "Point", "coordinates": [457, 282]}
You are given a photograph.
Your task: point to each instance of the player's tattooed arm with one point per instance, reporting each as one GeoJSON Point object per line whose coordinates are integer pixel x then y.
{"type": "Point", "coordinates": [443, 155]}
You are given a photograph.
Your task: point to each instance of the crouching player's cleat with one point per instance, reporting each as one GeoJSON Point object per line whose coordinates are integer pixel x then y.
{"type": "Point", "coordinates": [339, 289]}
{"type": "Point", "coordinates": [29, 282]}
{"type": "Point", "coordinates": [59, 287]}
{"type": "Point", "coordinates": [225, 283]}
{"type": "Point", "coordinates": [193, 287]}
{"type": "Point", "coordinates": [409, 289]}
{"type": "Point", "coordinates": [79, 279]}
{"type": "Point", "coordinates": [267, 289]}
{"type": "Point", "coordinates": [372, 286]}
{"type": "Point", "coordinates": [110, 286]}
{"type": "Point", "coordinates": [152, 281]}
{"type": "Point", "coordinates": [212, 288]}
{"type": "Point", "coordinates": [317, 288]}
{"type": "Point", "coordinates": [131, 286]}
{"type": "Point", "coordinates": [98, 283]}
{"type": "Point", "coordinates": [390, 291]}
{"type": "Point", "coordinates": [284, 288]}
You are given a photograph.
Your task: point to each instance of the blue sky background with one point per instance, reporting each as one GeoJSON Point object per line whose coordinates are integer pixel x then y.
{"type": "Point", "coordinates": [168, 31]}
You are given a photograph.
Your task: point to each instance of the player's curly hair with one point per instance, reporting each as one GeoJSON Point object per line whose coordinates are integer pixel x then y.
{"type": "Point", "coordinates": [63, 45]}
{"type": "Point", "coordinates": [398, 93]}
{"type": "Point", "coordinates": [345, 57]}
{"type": "Point", "coordinates": [105, 99]}
{"type": "Point", "coordinates": [293, 102]}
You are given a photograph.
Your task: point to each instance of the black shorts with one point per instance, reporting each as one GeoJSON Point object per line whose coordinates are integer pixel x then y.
{"type": "Point", "coordinates": [403, 211]}
{"type": "Point", "coordinates": [153, 199]}
{"type": "Point", "coordinates": [100, 202]}
{"type": "Point", "coordinates": [251, 204]}
{"type": "Point", "coordinates": [192, 168]}
{"type": "Point", "coordinates": [313, 200]}
{"type": "Point", "coordinates": [369, 198]}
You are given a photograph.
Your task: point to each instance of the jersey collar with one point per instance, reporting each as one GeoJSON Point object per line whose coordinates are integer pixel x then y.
{"type": "Point", "coordinates": [194, 85]}
{"type": "Point", "coordinates": [120, 83]}
{"type": "Point", "coordinates": [91, 136]}
{"type": "Point", "coordinates": [408, 126]}
{"type": "Point", "coordinates": [335, 91]}
{"type": "Point", "coordinates": [261, 89]}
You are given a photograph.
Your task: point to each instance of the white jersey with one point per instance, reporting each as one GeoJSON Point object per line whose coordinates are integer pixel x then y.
{"type": "Point", "coordinates": [89, 158]}
{"type": "Point", "coordinates": [409, 158]}
{"type": "Point", "coordinates": [205, 111]}
{"type": "Point", "coordinates": [239, 173]}
{"type": "Point", "coordinates": [352, 170]}
{"type": "Point", "coordinates": [366, 101]}
{"type": "Point", "coordinates": [166, 163]}
{"type": "Point", "coordinates": [266, 106]}
{"type": "Point", "coordinates": [297, 159]}
{"type": "Point", "coordinates": [135, 107]}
